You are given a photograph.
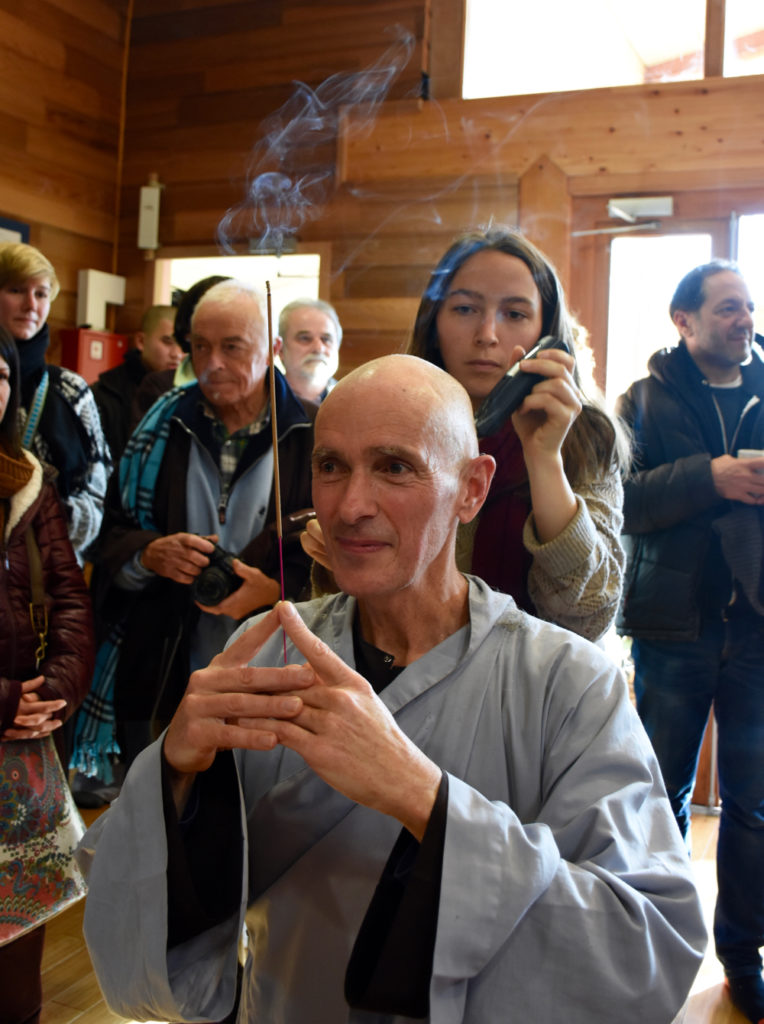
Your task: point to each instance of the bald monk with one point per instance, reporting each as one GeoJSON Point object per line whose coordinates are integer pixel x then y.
{"type": "Point", "coordinates": [442, 808]}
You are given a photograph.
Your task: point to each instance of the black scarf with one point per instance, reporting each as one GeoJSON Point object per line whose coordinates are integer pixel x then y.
{"type": "Point", "coordinates": [59, 426]}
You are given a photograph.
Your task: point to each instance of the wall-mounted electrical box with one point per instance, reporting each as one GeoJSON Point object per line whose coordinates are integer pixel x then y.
{"type": "Point", "coordinates": [89, 352]}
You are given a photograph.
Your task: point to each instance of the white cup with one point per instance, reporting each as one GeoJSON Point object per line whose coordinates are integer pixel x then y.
{"type": "Point", "coordinates": [751, 453]}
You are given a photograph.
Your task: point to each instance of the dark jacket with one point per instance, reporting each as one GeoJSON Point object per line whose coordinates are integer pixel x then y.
{"type": "Point", "coordinates": [68, 663]}
{"type": "Point", "coordinates": [159, 619]}
{"type": "Point", "coordinates": [676, 571]}
{"type": "Point", "coordinates": [152, 387]}
{"type": "Point", "coordinates": [114, 392]}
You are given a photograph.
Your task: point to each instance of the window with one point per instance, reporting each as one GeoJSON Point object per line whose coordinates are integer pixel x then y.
{"type": "Point", "coordinates": [744, 38]}
{"type": "Point", "coordinates": [643, 275]}
{"type": "Point", "coordinates": [292, 276]}
{"type": "Point", "coordinates": [556, 45]}
{"type": "Point", "coordinates": [750, 245]}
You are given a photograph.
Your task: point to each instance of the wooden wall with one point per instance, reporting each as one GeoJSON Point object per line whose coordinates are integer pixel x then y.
{"type": "Point", "coordinates": [60, 102]}
{"type": "Point", "coordinates": [204, 75]}
{"type": "Point", "coordinates": [203, 79]}
{"type": "Point", "coordinates": [201, 83]}
{"type": "Point", "coordinates": [702, 142]}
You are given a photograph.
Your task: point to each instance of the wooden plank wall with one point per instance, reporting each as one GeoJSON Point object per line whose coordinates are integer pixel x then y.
{"type": "Point", "coordinates": [202, 81]}
{"type": "Point", "coordinates": [205, 74]}
{"type": "Point", "coordinates": [570, 152]}
{"type": "Point", "coordinates": [60, 94]}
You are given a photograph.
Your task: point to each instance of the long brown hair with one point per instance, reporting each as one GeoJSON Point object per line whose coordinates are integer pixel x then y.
{"type": "Point", "coordinates": [595, 442]}
{"type": "Point", "coordinates": [10, 435]}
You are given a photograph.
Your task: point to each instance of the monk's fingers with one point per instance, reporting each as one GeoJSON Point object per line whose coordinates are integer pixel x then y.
{"type": "Point", "coordinates": [205, 724]}
{"type": "Point", "coordinates": [194, 746]}
{"type": "Point", "coordinates": [242, 737]}
{"type": "Point", "coordinates": [250, 680]}
{"type": "Point", "coordinates": [326, 663]}
{"type": "Point", "coordinates": [233, 706]}
{"type": "Point", "coordinates": [271, 727]}
{"type": "Point", "coordinates": [208, 722]}
{"type": "Point", "coordinates": [246, 646]}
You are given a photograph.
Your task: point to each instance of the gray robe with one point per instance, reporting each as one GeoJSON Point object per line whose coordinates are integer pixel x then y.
{"type": "Point", "coordinates": [566, 890]}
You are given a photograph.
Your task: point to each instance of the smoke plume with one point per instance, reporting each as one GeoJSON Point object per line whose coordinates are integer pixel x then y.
{"type": "Point", "coordinates": [291, 173]}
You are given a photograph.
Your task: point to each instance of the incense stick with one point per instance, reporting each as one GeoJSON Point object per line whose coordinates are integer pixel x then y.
{"type": "Point", "coordinates": [275, 443]}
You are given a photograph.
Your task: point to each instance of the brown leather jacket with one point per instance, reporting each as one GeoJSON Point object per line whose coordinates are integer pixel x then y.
{"type": "Point", "coordinates": [68, 663]}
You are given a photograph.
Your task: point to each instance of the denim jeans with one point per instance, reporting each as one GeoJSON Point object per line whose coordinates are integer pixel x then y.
{"type": "Point", "coordinates": [676, 685]}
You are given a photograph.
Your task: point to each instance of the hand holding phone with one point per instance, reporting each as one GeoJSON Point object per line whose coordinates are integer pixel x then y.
{"type": "Point", "coordinates": [510, 391]}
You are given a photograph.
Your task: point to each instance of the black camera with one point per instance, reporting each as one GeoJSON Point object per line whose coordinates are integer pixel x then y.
{"type": "Point", "coordinates": [217, 580]}
{"type": "Point", "coordinates": [510, 391]}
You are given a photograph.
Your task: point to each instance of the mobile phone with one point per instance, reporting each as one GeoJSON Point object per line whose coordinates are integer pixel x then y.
{"type": "Point", "coordinates": [510, 391]}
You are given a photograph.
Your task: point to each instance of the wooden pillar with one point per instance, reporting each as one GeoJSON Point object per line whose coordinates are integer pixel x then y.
{"type": "Point", "coordinates": [713, 62]}
{"type": "Point", "coordinates": [544, 213]}
{"type": "Point", "coordinates": [444, 47]}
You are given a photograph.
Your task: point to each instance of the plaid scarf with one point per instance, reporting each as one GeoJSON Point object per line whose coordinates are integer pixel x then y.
{"type": "Point", "coordinates": [94, 738]}
{"type": "Point", "coordinates": [142, 457]}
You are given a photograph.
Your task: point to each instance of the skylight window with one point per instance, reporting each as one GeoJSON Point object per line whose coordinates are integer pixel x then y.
{"type": "Point", "coordinates": [557, 46]}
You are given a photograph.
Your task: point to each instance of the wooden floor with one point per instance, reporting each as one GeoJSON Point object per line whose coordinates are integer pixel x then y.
{"type": "Point", "coordinates": [71, 993]}
{"type": "Point", "coordinates": [708, 1002]}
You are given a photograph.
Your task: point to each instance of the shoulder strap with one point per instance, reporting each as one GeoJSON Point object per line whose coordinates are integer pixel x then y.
{"type": "Point", "coordinates": [30, 427]}
{"type": "Point", "coordinates": [38, 612]}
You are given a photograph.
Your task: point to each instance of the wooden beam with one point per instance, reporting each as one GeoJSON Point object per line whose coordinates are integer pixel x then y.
{"type": "Point", "coordinates": [713, 62]}
{"type": "Point", "coordinates": [699, 179]}
{"type": "Point", "coordinates": [445, 22]}
{"type": "Point", "coordinates": [544, 213]}
{"type": "Point", "coordinates": [675, 126]}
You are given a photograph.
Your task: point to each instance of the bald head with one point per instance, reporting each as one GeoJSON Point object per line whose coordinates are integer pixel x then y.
{"type": "Point", "coordinates": [432, 398]}
{"type": "Point", "coordinates": [396, 468]}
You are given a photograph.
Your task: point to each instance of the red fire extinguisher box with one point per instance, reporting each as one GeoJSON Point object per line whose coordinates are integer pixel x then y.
{"type": "Point", "coordinates": [89, 352]}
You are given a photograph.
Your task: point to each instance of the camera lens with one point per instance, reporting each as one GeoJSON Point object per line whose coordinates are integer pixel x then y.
{"type": "Point", "coordinates": [212, 585]}
{"type": "Point", "coordinates": [217, 580]}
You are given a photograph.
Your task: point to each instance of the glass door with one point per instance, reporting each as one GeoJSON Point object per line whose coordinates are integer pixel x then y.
{"type": "Point", "coordinates": [750, 258]}
{"type": "Point", "coordinates": [644, 272]}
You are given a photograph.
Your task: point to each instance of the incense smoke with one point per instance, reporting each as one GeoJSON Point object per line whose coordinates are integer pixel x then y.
{"type": "Point", "coordinates": [290, 177]}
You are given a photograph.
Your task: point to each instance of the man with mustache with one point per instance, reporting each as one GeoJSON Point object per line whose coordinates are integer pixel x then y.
{"type": "Point", "coordinates": [441, 808]}
{"type": "Point", "coordinates": [310, 335]}
{"type": "Point", "coordinates": [693, 530]}
{"type": "Point", "coordinates": [197, 470]}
